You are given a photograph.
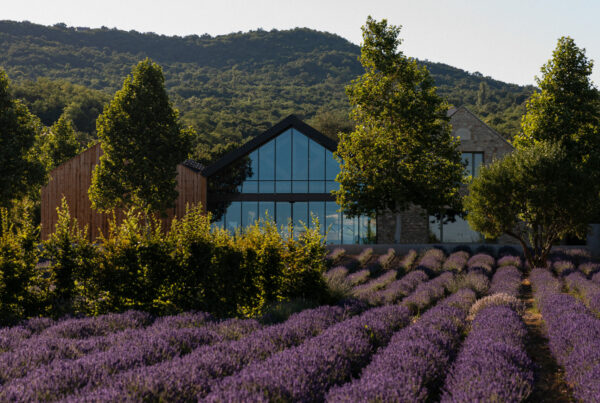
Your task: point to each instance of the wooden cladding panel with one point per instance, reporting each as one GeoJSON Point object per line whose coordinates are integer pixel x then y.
{"type": "Point", "coordinates": [73, 179]}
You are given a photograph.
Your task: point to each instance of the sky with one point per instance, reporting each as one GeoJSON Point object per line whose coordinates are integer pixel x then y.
{"type": "Point", "coordinates": [508, 40]}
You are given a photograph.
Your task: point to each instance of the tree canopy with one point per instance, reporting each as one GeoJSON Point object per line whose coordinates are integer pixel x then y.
{"type": "Point", "coordinates": [537, 194]}
{"type": "Point", "coordinates": [21, 170]}
{"type": "Point", "coordinates": [142, 142]}
{"type": "Point", "coordinates": [401, 151]}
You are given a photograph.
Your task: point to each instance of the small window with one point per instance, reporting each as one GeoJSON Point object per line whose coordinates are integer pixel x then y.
{"type": "Point", "coordinates": [473, 161]}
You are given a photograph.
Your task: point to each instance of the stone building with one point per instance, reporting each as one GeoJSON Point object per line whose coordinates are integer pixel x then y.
{"type": "Point", "coordinates": [479, 144]}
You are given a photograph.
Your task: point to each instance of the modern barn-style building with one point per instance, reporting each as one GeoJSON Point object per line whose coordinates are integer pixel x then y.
{"type": "Point", "coordinates": [292, 174]}
{"type": "Point", "coordinates": [73, 178]}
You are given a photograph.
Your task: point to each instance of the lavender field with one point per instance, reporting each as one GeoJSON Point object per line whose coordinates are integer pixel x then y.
{"type": "Point", "coordinates": [421, 327]}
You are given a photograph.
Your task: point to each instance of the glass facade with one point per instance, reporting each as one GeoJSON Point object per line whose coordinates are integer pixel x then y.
{"type": "Point", "coordinates": [473, 161]}
{"type": "Point", "coordinates": [292, 164]}
{"type": "Point", "coordinates": [338, 228]}
{"type": "Point", "coordinates": [458, 231]}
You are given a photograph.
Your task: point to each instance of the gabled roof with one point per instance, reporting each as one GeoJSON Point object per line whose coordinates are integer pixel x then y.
{"type": "Point", "coordinates": [290, 122]}
{"type": "Point", "coordinates": [452, 112]}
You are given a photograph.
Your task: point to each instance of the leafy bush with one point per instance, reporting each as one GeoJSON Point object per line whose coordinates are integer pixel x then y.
{"type": "Point", "coordinates": [18, 258]}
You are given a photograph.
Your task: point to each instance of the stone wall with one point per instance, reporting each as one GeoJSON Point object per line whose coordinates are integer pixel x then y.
{"type": "Point", "coordinates": [475, 136]}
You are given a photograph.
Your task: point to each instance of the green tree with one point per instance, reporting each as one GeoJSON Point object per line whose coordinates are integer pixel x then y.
{"type": "Point", "coordinates": [537, 194]}
{"type": "Point", "coordinates": [21, 171]}
{"type": "Point", "coordinates": [142, 142]}
{"type": "Point", "coordinates": [566, 109]}
{"type": "Point", "coordinates": [60, 144]}
{"type": "Point", "coordinates": [401, 151]}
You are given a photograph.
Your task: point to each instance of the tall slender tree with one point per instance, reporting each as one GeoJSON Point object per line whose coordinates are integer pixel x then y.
{"type": "Point", "coordinates": [401, 151]}
{"type": "Point", "coordinates": [60, 143]}
{"type": "Point", "coordinates": [142, 142]}
{"type": "Point", "coordinates": [21, 171]}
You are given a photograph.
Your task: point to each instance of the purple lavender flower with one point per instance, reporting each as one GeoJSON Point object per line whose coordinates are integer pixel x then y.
{"type": "Point", "coordinates": [400, 288]}
{"type": "Point", "coordinates": [414, 360]}
{"type": "Point", "coordinates": [183, 378]}
{"type": "Point", "coordinates": [429, 292]}
{"type": "Point", "coordinates": [492, 364]}
{"type": "Point", "coordinates": [506, 280]}
{"type": "Point", "coordinates": [306, 372]}
{"type": "Point", "coordinates": [456, 261]}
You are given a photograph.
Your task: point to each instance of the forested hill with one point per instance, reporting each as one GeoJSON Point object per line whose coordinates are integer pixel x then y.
{"type": "Point", "coordinates": [227, 87]}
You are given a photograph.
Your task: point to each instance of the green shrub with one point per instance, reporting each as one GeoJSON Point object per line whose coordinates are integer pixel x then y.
{"type": "Point", "coordinates": [19, 288]}
{"type": "Point", "coordinates": [71, 257]}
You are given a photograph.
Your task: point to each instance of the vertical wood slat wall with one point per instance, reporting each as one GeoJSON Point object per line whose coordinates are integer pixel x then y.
{"type": "Point", "coordinates": [73, 179]}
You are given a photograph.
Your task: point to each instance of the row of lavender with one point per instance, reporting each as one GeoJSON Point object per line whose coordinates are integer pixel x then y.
{"type": "Point", "coordinates": [206, 354]}
{"type": "Point", "coordinates": [573, 333]}
{"type": "Point", "coordinates": [120, 352]}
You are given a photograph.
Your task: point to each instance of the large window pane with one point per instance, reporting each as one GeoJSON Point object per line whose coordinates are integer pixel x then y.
{"type": "Point", "coordinates": [233, 216]}
{"type": "Point", "coordinates": [332, 168]}
{"type": "Point", "coordinates": [249, 213]}
{"type": "Point", "coordinates": [266, 210]}
{"type": "Point", "coordinates": [332, 223]}
{"type": "Point", "coordinates": [316, 187]}
{"type": "Point", "coordinates": [468, 159]}
{"type": "Point", "coordinates": [300, 212]}
{"type": "Point", "coordinates": [434, 229]}
{"type": "Point", "coordinates": [283, 156]}
{"type": "Point", "coordinates": [460, 231]}
{"type": "Point", "coordinates": [283, 214]}
{"type": "Point", "coordinates": [300, 187]}
{"type": "Point", "coordinates": [331, 185]}
{"type": "Point", "coordinates": [250, 187]}
{"type": "Point", "coordinates": [300, 156]}
{"type": "Point", "coordinates": [266, 186]}
{"type": "Point", "coordinates": [317, 210]}
{"type": "Point", "coordinates": [266, 164]}
{"type": "Point", "coordinates": [316, 161]}
{"type": "Point", "coordinates": [477, 161]}
{"type": "Point", "coordinates": [347, 230]}
{"type": "Point", "coordinates": [253, 165]}
{"type": "Point", "coordinates": [283, 187]}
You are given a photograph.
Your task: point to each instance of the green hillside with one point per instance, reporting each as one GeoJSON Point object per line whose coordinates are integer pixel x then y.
{"type": "Point", "coordinates": [227, 87]}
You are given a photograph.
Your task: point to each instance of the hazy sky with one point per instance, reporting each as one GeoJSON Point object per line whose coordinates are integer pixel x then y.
{"type": "Point", "coordinates": [506, 39]}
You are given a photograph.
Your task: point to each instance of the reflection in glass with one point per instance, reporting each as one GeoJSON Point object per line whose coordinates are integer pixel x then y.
{"type": "Point", "coordinates": [317, 210]}
{"type": "Point", "coordinates": [332, 223]}
{"type": "Point", "coordinates": [250, 187]}
{"type": "Point", "coordinates": [347, 230]}
{"type": "Point", "coordinates": [434, 229]}
{"type": "Point", "coordinates": [253, 165]}
{"type": "Point", "coordinates": [477, 161]}
{"type": "Point", "coordinates": [300, 212]}
{"type": "Point", "coordinates": [249, 213]}
{"type": "Point", "coordinates": [283, 158]}
{"type": "Point", "coordinates": [467, 158]}
{"type": "Point", "coordinates": [266, 164]}
{"type": "Point", "coordinates": [332, 168]}
{"type": "Point", "coordinates": [316, 161]}
{"type": "Point", "coordinates": [300, 156]}
{"type": "Point", "coordinates": [233, 216]}
{"type": "Point", "coordinates": [283, 213]}
{"type": "Point", "coordinates": [266, 210]}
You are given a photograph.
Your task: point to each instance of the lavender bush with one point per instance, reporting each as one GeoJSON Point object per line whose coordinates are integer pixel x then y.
{"type": "Point", "coordinates": [589, 268]}
{"type": "Point", "coordinates": [408, 260]}
{"type": "Point", "coordinates": [183, 378]}
{"type": "Point", "coordinates": [588, 290]}
{"type": "Point", "coordinates": [414, 360]}
{"type": "Point", "coordinates": [399, 289]}
{"type": "Point", "coordinates": [573, 334]}
{"type": "Point", "coordinates": [359, 277]}
{"type": "Point", "coordinates": [492, 365]}
{"type": "Point", "coordinates": [506, 280]}
{"type": "Point", "coordinates": [429, 292]}
{"type": "Point", "coordinates": [306, 372]}
{"type": "Point", "coordinates": [456, 261]}
{"type": "Point", "coordinates": [364, 256]}
{"type": "Point", "coordinates": [510, 260]}
{"type": "Point", "coordinates": [385, 261]}
{"type": "Point", "coordinates": [366, 290]}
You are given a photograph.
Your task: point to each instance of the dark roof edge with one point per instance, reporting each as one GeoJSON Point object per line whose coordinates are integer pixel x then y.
{"type": "Point", "coordinates": [193, 165]}
{"type": "Point", "coordinates": [274, 131]}
{"type": "Point", "coordinates": [486, 125]}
